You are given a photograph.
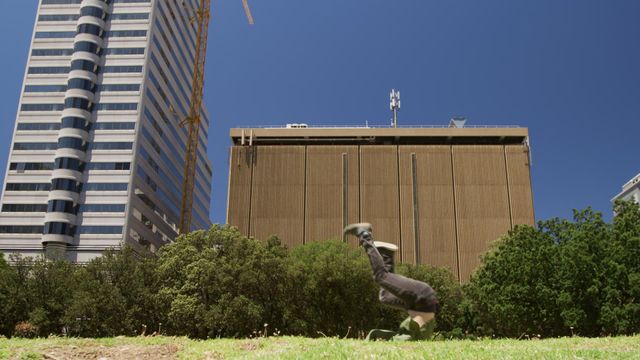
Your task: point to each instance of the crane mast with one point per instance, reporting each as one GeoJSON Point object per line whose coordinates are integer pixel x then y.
{"type": "Point", "coordinates": [192, 121]}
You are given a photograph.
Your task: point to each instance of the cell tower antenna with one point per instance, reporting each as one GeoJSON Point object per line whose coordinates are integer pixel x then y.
{"type": "Point", "coordinates": [394, 105]}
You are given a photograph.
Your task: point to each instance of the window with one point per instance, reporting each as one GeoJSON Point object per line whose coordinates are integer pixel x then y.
{"type": "Point", "coordinates": [61, 17]}
{"type": "Point", "coordinates": [111, 146]}
{"type": "Point", "coordinates": [31, 166]}
{"type": "Point", "coordinates": [125, 51]}
{"type": "Point", "coordinates": [51, 52]}
{"type": "Point", "coordinates": [90, 29]}
{"type": "Point", "coordinates": [55, 34]}
{"type": "Point", "coordinates": [28, 187]}
{"type": "Point", "coordinates": [24, 207]}
{"type": "Point", "coordinates": [69, 163]}
{"type": "Point", "coordinates": [38, 126]}
{"type": "Point", "coordinates": [20, 229]}
{"type": "Point", "coordinates": [60, 2]}
{"type": "Point", "coordinates": [109, 166]}
{"type": "Point", "coordinates": [78, 103]}
{"type": "Point", "coordinates": [45, 88]}
{"type": "Point", "coordinates": [126, 33]}
{"type": "Point", "coordinates": [72, 143]}
{"type": "Point", "coordinates": [102, 208]}
{"type": "Point", "coordinates": [114, 126]}
{"type": "Point", "coordinates": [59, 228]}
{"type": "Point", "coordinates": [87, 46]}
{"type": "Point", "coordinates": [79, 83]}
{"type": "Point", "coordinates": [48, 70]}
{"type": "Point", "coordinates": [136, 16]}
{"type": "Point", "coordinates": [119, 87]}
{"type": "Point", "coordinates": [64, 206]}
{"type": "Point", "coordinates": [100, 229]}
{"type": "Point", "coordinates": [85, 65]}
{"type": "Point", "coordinates": [92, 11]}
{"type": "Point", "coordinates": [42, 107]}
{"type": "Point", "coordinates": [34, 146]}
{"type": "Point", "coordinates": [75, 123]}
{"type": "Point", "coordinates": [117, 106]}
{"type": "Point", "coordinates": [106, 187]}
{"type": "Point", "coordinates": [122, 69]}
{"type": "Point", "coordinates": [66, 184]}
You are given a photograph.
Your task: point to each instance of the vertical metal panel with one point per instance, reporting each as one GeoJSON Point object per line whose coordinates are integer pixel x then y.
{"type": "Point", "coordinates": [435, 203]}
{"type": "Point", "coordinates": [277, 196]}
{"type": "Point", "coordinates": [379, 193]}
{"type": "Point", "coordinates": [482, 201]}
{"type": "Point", "coordinates": [517, 157]}
{"type": "Point", "coordinates": [416, 208]}
{"type": "Point", "coordinates": [330, 201]}
{"type": "Point", "coordinates": [239, 194]}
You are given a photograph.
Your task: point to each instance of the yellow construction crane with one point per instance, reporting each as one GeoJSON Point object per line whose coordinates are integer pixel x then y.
{"type": "Point", "coordinates": [192, 121]}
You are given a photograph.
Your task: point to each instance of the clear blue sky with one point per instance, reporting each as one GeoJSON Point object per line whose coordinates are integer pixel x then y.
{"type": "Point", "coordinates": [568, 70]}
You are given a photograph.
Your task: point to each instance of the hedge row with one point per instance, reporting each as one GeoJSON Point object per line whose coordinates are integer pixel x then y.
{"type": "Point", "coordinates": [560, 278]}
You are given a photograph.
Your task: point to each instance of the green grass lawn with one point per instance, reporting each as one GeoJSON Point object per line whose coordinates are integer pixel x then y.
{"type": "Point", "coordinates": [325, 348]}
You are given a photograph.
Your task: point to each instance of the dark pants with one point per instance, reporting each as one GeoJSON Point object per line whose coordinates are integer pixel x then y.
{"type": "Point", "coordinates": [397, 290]}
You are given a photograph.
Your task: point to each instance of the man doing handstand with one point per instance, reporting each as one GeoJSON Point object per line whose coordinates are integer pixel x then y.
{"type": "Point", "coordinates": [416, 297]}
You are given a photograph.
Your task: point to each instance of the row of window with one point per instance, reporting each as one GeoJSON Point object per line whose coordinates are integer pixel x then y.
{"type": "Point", "coordinates": [28, 187]}
{"type": "Point", "coordinates": [89, 29]}
{"type": "Point", "coordinates": [24, 207]}
{"type": "Point", "coordinates": [82, 84]}
{"type": "Point", "coordinates": [33, 166]}
{"type": "Point", "coordinates": [74, 17]}
{"type": "Point", "coordinates": [60, 228]}
{"type": "Point", "coordinates": [69, 2]}
{"type": "Point", "coordinates": [79, 64]}
{"type": "Point", "coordinates": [75, 144]}
{"type": "Point", "coordinates": [77, 123]}
{"type": "Point", "coordinates": [79, 103]}
{"type": "Point", "coordinates": [68, 207]}
{"type": "Point", "coordinates": [66, 52]}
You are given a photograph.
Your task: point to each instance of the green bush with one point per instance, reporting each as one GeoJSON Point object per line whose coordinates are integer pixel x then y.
{"type": "Point", "coordinates": [449, 291]}
{"type": "Point", "coordinates": [514, 291]}
{"type": "Point", "coordinates": [331, 290]}
{"type": "Point", "coordinates": [218, 283]}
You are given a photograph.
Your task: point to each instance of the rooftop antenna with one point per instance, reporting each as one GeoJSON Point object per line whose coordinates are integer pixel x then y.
{"type": "Point", "coordinates": [394, 105]}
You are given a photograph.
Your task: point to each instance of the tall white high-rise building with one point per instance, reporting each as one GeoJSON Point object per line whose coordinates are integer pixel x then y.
{"type": "Point", "coordinates": [97, 154]}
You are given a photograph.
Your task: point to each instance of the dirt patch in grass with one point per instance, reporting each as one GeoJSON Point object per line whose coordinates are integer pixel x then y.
{"type": "Point", "coordinates": [162, 352]}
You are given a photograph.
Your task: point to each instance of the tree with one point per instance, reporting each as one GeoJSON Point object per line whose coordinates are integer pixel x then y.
{"type": "Point", "coordinates": [115, 295]}
{"type": "Point", "coordinates": [220, 283]}
{"type": "Point", "coordinates": [620, 309]}
{"type": "Point", "coordinates": [332, 290]}
{"type": "Point", "coordinates": [513, 292]}
{"type": "Point", "coordinates": [582, 253]}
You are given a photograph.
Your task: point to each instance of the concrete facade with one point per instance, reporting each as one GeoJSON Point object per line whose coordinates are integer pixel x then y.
{"type": "Point", "coordinates": [441, 194]}
{"type": "Point", "coordinates": [630, 190]}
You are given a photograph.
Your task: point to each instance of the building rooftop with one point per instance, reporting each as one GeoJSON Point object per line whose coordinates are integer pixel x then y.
{"type": "Point", "coordinates": [293, 134]}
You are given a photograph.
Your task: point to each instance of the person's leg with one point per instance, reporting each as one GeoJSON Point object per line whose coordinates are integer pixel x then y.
{"type": "Point", "coordinates": [389, 299]}
{"type": "Point", "coordinates": [415, 294]}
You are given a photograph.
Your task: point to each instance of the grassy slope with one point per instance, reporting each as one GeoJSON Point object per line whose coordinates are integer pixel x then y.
{"type": "Point", "coordinates": [326, 348]}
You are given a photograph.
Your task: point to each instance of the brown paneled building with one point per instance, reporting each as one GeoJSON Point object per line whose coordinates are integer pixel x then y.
{"type": "Point", "coordinates": [441, 194]}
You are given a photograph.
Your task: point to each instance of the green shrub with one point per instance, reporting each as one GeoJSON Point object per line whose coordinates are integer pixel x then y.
{"type": "Point", "coordinates": [218, 283]}
{"type": "Point", "coordinates": [331, 291]}
{"type": "Point", "coordinates": [514, 290]}
{"type": "Point", "coordinates": [449, 291]}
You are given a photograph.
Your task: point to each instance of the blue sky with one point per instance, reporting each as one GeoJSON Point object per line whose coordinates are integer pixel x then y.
{"type": "Point", "coordinates": [568, 70]}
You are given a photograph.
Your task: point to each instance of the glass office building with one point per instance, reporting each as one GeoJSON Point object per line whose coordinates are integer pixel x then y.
{"type": "Point", "coordinates": [97, 155]}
